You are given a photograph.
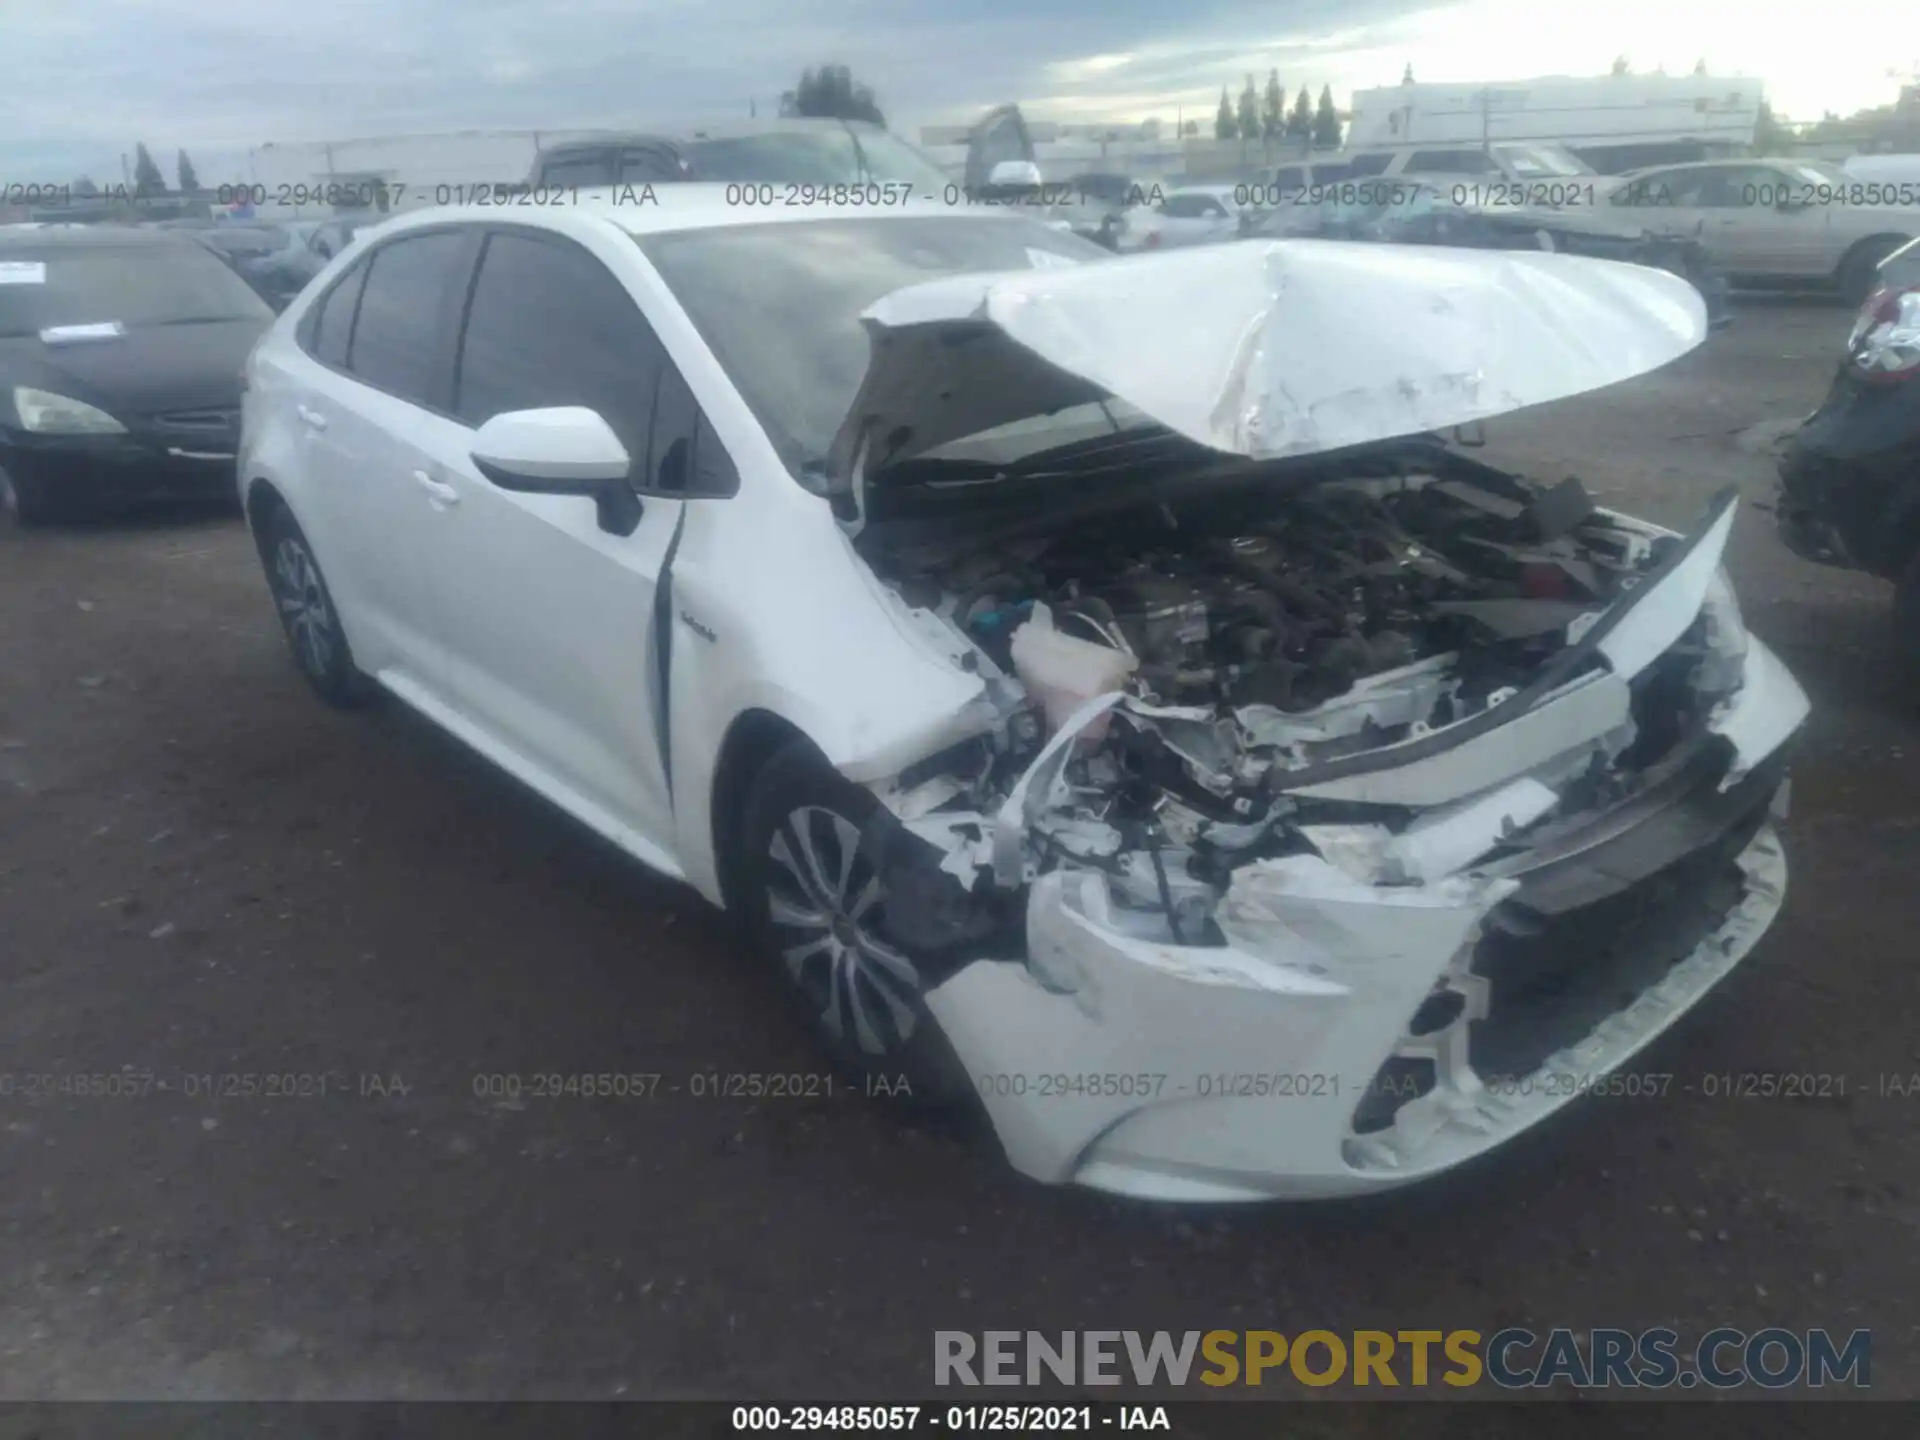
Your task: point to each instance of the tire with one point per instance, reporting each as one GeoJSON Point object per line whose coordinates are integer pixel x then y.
{"type": "Point", "coordinates": [307, 613]}
{"type": "Point", "coordinates": [812, 903]}
{"type": "Point", "coordinates": [29, 501]}
{"type": "Point", "coordinates": [1856, 273]}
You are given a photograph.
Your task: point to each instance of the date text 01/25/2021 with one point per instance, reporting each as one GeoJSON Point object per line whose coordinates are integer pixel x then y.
{"type": "Point", "coordinates": [906, 1419]}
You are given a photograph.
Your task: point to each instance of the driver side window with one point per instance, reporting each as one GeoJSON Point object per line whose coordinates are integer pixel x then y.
{"type": "Point", "coordinates": [549, 325]}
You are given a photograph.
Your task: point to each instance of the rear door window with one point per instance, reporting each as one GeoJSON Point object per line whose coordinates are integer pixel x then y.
{"type": "Point", "coordinates": [332, 326]}
{"type": "Point", "coordinates": [408, 304]}
{"type": "Point", "coordinates": [1363, 166]}
{"type": "Point", "coordinates": [581, 171]}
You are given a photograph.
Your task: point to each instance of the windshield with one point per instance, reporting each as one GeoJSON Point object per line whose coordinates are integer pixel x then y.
{"type": "Point", "coordinates": [826, 156]}
{"type": "Point", "coordinates": [134, 285]}
{"type": "Point", "coordinates": [780, 304]}
{"type": "Point", "coordinates": [1535, 162]}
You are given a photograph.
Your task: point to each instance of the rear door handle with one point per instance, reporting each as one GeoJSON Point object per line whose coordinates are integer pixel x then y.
{"type": "Point", "coordinates": [313, 418]}
{"type": "Point", "coordinates": [438, 491]}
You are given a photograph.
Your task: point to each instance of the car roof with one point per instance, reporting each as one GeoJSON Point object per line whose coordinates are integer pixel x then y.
{"type": "Point", "coordinates": [701, 205]}
{"type": "Point", "coordinates": [94, 237]}
{"type": "Point", "coordinates": [1216, 192]}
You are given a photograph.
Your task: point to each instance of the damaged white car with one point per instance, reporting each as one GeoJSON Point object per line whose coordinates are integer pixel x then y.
{"type": "Point", "coordinates": [1096, 683]}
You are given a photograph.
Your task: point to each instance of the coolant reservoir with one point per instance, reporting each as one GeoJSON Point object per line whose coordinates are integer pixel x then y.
{"type": "Point", "coordinates": [1064, 672]}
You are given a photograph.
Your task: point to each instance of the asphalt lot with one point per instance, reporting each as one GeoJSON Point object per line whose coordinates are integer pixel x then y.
{"type": "Point", "coordinates": [205, 873]}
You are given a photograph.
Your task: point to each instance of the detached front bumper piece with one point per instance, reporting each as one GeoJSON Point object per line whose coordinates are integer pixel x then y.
{"type": "Point", "coordinates": [1351, 1037]}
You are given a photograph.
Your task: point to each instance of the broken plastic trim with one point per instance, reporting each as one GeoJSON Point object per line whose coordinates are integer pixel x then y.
{"type": "Point", "coordinates": [1555, 673]}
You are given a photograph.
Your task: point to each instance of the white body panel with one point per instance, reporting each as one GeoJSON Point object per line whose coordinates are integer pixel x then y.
{"type": "Point", "coordinates": [522, 627]}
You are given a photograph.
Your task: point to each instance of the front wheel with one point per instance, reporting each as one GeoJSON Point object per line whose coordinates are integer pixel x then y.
{"type": "Point", "coordinates": [30, 501]}
{"type": "Point", "coordinates": [815, 904]}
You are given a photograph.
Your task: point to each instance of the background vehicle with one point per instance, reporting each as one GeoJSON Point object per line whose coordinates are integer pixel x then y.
{"type": "Point", "coordinates": [1187, 215]}
{"type": "Point", "coordinates": [793, 152]}
{"type": "Point", "coordinates": [741, 539]}
{"type": "Point", "coordinates": [1410, 213]}
{"type": "Point", "coordinates": [1530, 163]}
{"type": "Point", "coordinates": [1772, 221]}
{"type": "Point", "coordinates": [120, 356]}
{"type": "Point", "coordinates": [281, 273]}
{"type": "Point", "coordinates": [1850, 477]}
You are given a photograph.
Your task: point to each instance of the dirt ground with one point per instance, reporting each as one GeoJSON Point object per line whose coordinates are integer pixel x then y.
{"type": "Point", "coordinates": [204, 873]}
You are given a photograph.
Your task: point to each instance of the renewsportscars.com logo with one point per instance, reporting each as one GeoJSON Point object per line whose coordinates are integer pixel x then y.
{"type": "Point", "coordinates": [1512, 1358]}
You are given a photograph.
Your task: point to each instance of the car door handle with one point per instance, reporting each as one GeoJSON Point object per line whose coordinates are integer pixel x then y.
{"type": "Point", "coordinates": [312, 417]}
{"type": "Point", "coordinates": [438, 491]}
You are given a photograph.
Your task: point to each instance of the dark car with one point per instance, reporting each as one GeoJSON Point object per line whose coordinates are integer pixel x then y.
{"type": "Point", "coordinates": [120, 359]}
{"type": "Point", "coordinates": [284, 272]}
{"type": "Point", "coordinates": [781, 152]}
{"type": "Point", "coordinates": [1850, 477]}
{"type": "Point", "coordinates": [1404, 212]}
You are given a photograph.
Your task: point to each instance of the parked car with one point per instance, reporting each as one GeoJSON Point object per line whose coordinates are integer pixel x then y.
{"type": "Point", "coordinates": [1850, 476]}
{"type": "Point", "coordinates": [1410, 213]}
{"type": "Point", "coordinates": [1530, 172]}
{"type": "Point", "coordinates": [1774, 221]}
{"type": "Point", "coordinates": [808, 152]}
{"type": "Point", "coordinates": [283, 272]}
{"type": "Point", "coordinates": [120, 357]}
{"type": "Point", "coordinates": [1063, 668]}
{"type": "Point", "coordinates": [1185, 215]}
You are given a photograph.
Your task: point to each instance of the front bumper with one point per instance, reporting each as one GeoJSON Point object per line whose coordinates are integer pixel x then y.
{"type": "Point", "coordinates": [139, 465]}
{"type": "Point", "coordinates": [1354, 1038]}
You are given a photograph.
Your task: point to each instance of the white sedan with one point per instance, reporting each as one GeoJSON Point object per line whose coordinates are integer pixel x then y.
{"type": "Point", "coordinates": [1097, 690]}
{"type": "Point", "coordinates": [1189, 215]}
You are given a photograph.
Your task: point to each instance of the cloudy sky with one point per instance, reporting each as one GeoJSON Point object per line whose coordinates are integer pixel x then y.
{"type": "Point", "coordinates": [81, 80]}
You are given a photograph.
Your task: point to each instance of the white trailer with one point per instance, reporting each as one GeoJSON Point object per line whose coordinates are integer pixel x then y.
{"type": "Point", "coordinates": [1609, 113]}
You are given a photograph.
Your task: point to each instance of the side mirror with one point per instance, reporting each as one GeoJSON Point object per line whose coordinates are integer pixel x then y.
{"type": "Point", "coordinates": [564, 450]}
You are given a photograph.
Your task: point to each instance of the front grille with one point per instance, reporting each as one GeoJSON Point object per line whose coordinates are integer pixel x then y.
{"type": "Point", "coordinates": [1555, 978]}
{"type": "Point", "coordinates": [202, 424]}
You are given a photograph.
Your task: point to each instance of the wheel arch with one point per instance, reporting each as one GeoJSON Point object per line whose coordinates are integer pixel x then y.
{"type": "Point", "coordinates": [1892, 239]}
{"type": "Point", "coordinates": [752, 740]}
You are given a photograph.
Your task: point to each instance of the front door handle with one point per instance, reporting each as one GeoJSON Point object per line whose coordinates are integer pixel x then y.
{"type": "Point", "coordinates": [438, 491]}
{"type": "Point", "coordinates": [312, 417]}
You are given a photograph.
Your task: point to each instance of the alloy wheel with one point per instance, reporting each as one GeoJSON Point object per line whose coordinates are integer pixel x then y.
{"type": "Point", "coordinates": [825, 900]}
{"type": "Point", "coordinates": [303, 606]}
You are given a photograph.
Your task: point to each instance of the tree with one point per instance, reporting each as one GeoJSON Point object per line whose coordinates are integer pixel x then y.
{"type": "Point", "coordinates": [85, 186]}
{"type": "Point", "coordinates": [1770, 137]}
{"type": "Point", "coordinates": [1620, 65]}
{"type": "Point", "coordinates": [1191, 127]}
{"type": "Point", "coordinates": [189, 182]}
{"type": "Point", "coordinates": [1249, 111]}
{"type": "Point", "coordinates": [1273, 107]}
{"type": "Point", "coordinates": [1326, 122]}
{"type": "Point", "coordinates": [1406, 75]}
{"type": "Point", "coordinates": [1300, 118]}
{"type": "Point", "coordinates": [1700, 66]}
{"type": "Point", "coordinates": [1225, 127]}
{"type": "Point", "coordinates": [147, 179]}
{"type": "Point", "coordinates": [830, 92]}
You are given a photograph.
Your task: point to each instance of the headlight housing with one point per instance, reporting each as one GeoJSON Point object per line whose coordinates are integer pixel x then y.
{"type": "Point", "coordinates": [42, 412]}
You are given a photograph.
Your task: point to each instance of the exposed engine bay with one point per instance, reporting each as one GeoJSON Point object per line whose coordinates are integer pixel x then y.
{"type": "Point", "coordinates": [1215, 661]}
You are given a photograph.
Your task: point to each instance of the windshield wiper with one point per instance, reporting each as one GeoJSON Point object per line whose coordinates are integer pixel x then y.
{"type": "Point", "coordinates": [859, 151]}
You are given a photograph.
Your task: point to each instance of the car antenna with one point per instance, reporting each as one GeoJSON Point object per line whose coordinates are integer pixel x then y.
{"type": "Point", "coordinates": [859, 150]}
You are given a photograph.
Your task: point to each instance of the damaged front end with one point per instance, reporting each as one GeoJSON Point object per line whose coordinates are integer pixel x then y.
{"type": "Point", "coordinates": [1337, 817]}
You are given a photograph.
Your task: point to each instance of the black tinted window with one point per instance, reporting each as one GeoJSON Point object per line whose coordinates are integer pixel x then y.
{"type": "Point", "coordinates": [549, 325]}
{"type": "Point", "coordinates": [399, 339]}
{"type": "Point", "coordinates": [1361, 166]}
{"type": "Point", "coordinates": [580, 170]}
{"type": "Point", "coordinates": [333, 319]}
{"type": "Point", "coordinates": [650, 164]}
{"type": "Point", "coordinates": [1447, 162]}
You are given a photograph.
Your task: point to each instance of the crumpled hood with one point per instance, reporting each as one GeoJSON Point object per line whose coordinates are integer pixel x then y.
{"type": "Point", "coordinates": [1260, 348]}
